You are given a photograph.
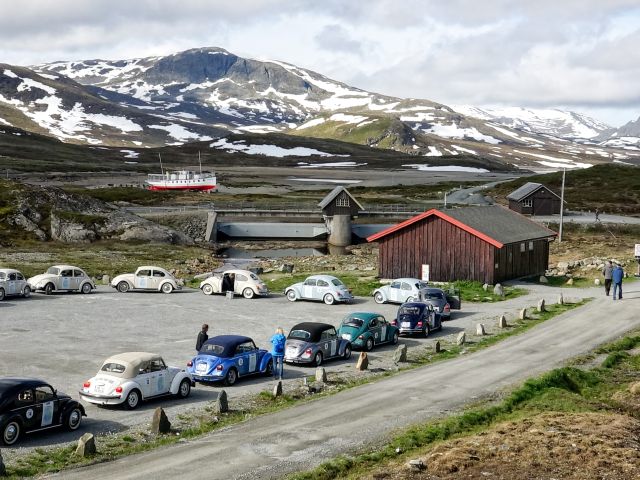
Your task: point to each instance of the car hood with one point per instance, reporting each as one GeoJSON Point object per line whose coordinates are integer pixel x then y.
{"type": "Point", "coordinates": [122, 276]}
{"type": "Point", "coordinates": [353, 332]}
{"type": "Point", "coordinates": [41, 277]}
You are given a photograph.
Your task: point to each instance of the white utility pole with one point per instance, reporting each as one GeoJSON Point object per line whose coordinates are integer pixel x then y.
{"type": "Point", "coordinates": [564, 171]}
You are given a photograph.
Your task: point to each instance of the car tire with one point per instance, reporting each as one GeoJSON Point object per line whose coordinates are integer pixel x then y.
{"type": "Point", "coordinates": [328, 299]}
{"type": "Point", "coordinates": [368, 345]}
{"type": "Point", "coordinates": [185, 388]}
{"type": "Point", "coordinates": [378, 297]}
{"type": "Point", "coordinates": [133, 399]}
{"type": "Point", "coordinates": [426, 332]}
{"type": "Point", "coordinates": [248, 293]}
{"type": "Point", "coordinates": [73, 419]}
{"type": "Point", "coordinates": [49, 288]}
{"type": "Point", "coordinates": [396, 337]}
{"type": "Point", "coordinates": [2, 294]}
{"type": "Point", "coordinates": [207, 289]}
{"type": "Point", "coordinates": [123, 287]}
{"type": "Point", "coordinates": [231, 377]}
{"type": "Point", "coordinates": [166, 288]}
{"type": "Point", "coordinates": [347, 352]}
{"type": "Point", "coordinates": [291, 296]}
{"type": "Point", "coordinates": [11, 432]}
{"type": "Point", "coordinates": [317, 359]}
{"type": "Point", "coordinates": [26, 292]}
{"type": "Point", "coordinates": [268, 372]}
{"type": "Point", "coordinates": [86, 288]}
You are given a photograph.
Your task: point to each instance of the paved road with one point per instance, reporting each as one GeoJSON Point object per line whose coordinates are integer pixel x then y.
{"type": "Point", "coordinates": [306, 435]}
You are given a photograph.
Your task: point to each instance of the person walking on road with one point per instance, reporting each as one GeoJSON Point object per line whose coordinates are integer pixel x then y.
{"type": "Point", "coordinates": [616, 276]}
{"type": "Point", "coordinates": [277, 353]}
{"type": "Point", "coordinates": [202, 337]}
{"type": "Point", "coordinates": [607, 271]}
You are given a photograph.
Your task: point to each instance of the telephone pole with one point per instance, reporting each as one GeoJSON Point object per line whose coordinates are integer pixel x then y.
{"type": "Point", "coordinates": [564, 171]}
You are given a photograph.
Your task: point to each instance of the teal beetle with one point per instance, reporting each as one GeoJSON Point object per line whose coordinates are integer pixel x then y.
{"type": "Point", "coordinates": [366, 329]}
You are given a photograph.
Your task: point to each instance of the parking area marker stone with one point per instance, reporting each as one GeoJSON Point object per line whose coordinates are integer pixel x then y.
{"type": "Point", "coordinates": [86, 445]}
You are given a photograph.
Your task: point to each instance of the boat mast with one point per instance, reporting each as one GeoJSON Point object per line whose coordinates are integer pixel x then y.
{"type": "Point", "coordinates": [200, 161]}
{"type": "Point", "coordinates": [161, 169]}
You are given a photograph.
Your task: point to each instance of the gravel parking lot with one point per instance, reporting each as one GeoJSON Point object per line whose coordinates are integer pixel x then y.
{"type": "Point", "coordinates": [63, 339]}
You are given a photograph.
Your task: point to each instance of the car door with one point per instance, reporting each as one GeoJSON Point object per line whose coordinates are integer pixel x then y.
{"type": "Point", "coordinates": [25, 406]}
{"type": "Point", "coordinates": [46, 407]}
{"type": "Point", "coordinates": [21, 282]}
{"type": "Point", "coordinates": [430, 317]}
{"type": "Point", "coordinates": [309, 288]}
{"type": "Point", "coordinates": [247, 354]}
{"type": "Point", "coordinates": [160, 381]}
{"type": "Point", "coordinates": [406, 291]}
{"type": "Point", "coordinates": [329, 343]}
{"type": "Point", "coordinates": [322, 288]}
{"type": "Point", "coordinates": [142, 279]}
{"type": "Point", "coordinates": [395, 292]}
{"type": "Point", "coordinates": [65, 279]}
{"type": "Point", "coordinates": [145, 379]}
{"type": "Point", "coordinates": [157, 277]}
{"type": "Point", "coordinates": [78, 278]}
{"type": "Point", "coordinates": [374, 330]}
{"type": "Point", "coordinates": [240, 283]}
{"type": "Point", "coordinates": [11, 284]}
{"type": "Point", "coordinates": [384, 330]}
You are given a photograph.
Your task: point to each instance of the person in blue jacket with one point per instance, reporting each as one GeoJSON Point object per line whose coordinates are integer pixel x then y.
{"type": "Point", "coordinates": [277, 352]}
{"type": "Point", "coordinates": [616, 278]}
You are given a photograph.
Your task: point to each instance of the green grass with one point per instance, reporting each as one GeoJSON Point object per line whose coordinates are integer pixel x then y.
{"type": "Point", "coordinates": [567, 389]}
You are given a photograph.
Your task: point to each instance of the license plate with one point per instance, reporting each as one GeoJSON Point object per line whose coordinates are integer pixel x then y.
{"type": "Point", "coordinates": [99, 388]}
{"type": "Point", "coordinates": [346, 336]}
{"type": "Point", "coordinates": [406, 325]}
{"type": "Point", "coordinates": [202, 367]}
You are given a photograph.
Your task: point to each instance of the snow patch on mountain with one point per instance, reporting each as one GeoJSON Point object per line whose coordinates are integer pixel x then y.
{"type": "Point", "coordinates": [180, 133]}
{"type": "Point", "coordinates": [454, 131]}
{"type": "Point", "coordinates": [269, 150]}
{"type": "Point", "coordinates": [444, 168]}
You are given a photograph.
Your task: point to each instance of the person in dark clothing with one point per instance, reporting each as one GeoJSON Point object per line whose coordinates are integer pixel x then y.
{"type": "Point", "coordinates": [607, 271]}
{"type": "Point", "coordinates": [616, 276]}
{"type": "Point", "coordinates": [202, 337]}
{"type": "Point", "coordinates": [277, 352]}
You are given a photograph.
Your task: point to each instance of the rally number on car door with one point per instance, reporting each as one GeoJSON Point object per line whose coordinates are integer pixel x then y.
{"type": "Point", "coordinates": [252, 362]}
{"type": "Point", "coordinates": [47, 414]}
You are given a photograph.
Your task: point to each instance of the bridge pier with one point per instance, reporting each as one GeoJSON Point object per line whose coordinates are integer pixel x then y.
{"type": "Point", "coordinates": [211, 233]}
{"type": "Point", "coordinates": [339, 227]}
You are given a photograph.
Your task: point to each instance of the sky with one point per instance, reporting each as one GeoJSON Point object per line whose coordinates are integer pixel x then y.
{"type": "Point", "coordinates": [580, 55]}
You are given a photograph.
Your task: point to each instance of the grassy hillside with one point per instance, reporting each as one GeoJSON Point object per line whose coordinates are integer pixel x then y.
{"type": "Point", "coordinates": [610, 188]}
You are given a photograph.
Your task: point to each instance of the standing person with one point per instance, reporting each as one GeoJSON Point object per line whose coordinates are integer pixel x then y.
{"type": "Point", "coordinates": [617, 276]}
{"type": "Point", "coordinates": [607, 271]}
{"type": "Point", "coordinates": [597, 215]}
{"type": "Point", "coordinates": [277, 352]}
{"type": "Point", "coordinates": [202, 337]}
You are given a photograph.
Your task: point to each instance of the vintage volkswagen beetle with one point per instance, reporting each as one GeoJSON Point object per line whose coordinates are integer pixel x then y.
{"type": "Point", "coordinates": [442, 301]}
{"type": "Point", "coordinates": [240, 282]}
{"type": "Point", "coordinates": [417, 317]}
{"type": "Point", "coordinates": [400, 290]}
{"type": "Point", "coordinates": [325, 288]}
{"type": "Point", "coordinates": [62, 278]}
{"type": "Point", "coordinates": [130, 377]}
{"type": "Point", "coordinates": [147, 278]}
{"type": "Point", "coordinates": [228, 357]}
{"type": "Point", "coordinates": [366, 329]}
{"type": "Point", "coordinates": [13, 283]}
{"type": "Point", "coordinates": [313, 343]}
{"type": "Point", "coordinates": [30, 405]}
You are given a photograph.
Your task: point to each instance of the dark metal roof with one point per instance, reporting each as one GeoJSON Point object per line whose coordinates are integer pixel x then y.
{"type": "Point", "coordinates": [334, 193]}
{"type": "Point", "coordinates": [525, 190]}
{"type": "Point", "coordinates": [229, 343]}
{"type": "Point", "coordinates": [315, 329]}
{"type": "Point", "coordinates": [493, 224]}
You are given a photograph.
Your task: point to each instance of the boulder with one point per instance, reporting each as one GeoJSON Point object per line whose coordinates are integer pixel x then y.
{"type": "Point", "coordinates": [461, 339]}
{"type": "Point", "coordinates": [321, 375]}
{"type": "Point", "coordinates": [160, 423]}
{"type": "Point", "coordinates": [277, 389]}
{"type": "Point", "coordinates": [436, 346]}
{"type": "Point", "coordinates": [596, 281]}
{"type": "Point", "coordinates": [86, 445]}
{"type": "Point", "coordinates": [480, 329]}
{"type": "Point", "coordinates": [541, 305]}
{"type": "Point", "coordinates": [222, 403]}
{"type": "Point", "coordinates": [286, 268]}
{"type": "Point", "coordinates": [485, 287]}
{"type": "Point", "coordinates": [563, 266]}
{"type": "Point", "coordinates": [3, 469]}
{"type": "Point", "coordinates": [543, 279]}
{"type": "Point", "coordinates": [498, 290]}
{"type": "Point", "coordinates": [570, 281]}
{"type": "Point", "coordinates": [106, 279]}
{"type": "Point", "coordinates": [417, 465]}
{"type": "Point", "coordinates": [502, 321]}
{"type": "Point", "coordinates": [523, 314]}
{"type": "Point", "coordinates": [634, 388]}
{"type": "Point", "coordinates": [400, 354]}
{"type": "Point", "coordinates": [363, 361]}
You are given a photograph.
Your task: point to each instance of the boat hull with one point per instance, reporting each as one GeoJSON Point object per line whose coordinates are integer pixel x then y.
{"type": "Point", "coordinates": [200, 188]}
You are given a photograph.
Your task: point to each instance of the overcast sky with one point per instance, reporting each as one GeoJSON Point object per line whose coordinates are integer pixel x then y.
{"type": "Point", "coordinates": [582, 55]}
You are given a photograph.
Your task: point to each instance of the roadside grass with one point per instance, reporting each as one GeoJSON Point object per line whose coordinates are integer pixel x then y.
{"type": "Point", "coordinates": [115, 446]}
{"type": "Point", "coordinates": [567, 390]}
{"type": "Point", "coordinates": [561, 281]}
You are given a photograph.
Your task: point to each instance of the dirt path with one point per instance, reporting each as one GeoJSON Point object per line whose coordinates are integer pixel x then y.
{"type": "Point", "coordinates": [306, 435]}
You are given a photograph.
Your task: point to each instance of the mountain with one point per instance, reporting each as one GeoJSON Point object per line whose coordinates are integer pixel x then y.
{"type": "Point", "coordinates": [206, 94]}
{"type": "Point", "coordinates": [626, 137]}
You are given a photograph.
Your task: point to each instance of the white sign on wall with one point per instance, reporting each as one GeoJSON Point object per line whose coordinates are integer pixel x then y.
{"type": "Point", "coordinates": [425, 273]}
{"type": "Point", "coordinates": [637, 250]}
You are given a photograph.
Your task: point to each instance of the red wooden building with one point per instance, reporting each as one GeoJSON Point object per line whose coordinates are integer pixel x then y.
{"type": "Point", "coordinates": [488, 244]}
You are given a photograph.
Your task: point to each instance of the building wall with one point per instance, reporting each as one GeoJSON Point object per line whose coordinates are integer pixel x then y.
{"type": "Point", "coordinates": [513, 262]}
{"type": "Point", "coordinates": [543, 203]}
{"type": "Point", "coordinates": [341, 205]}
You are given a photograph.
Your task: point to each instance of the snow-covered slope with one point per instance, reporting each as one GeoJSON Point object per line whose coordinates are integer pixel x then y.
{"type": "Point", "coordinates": [626, 137]}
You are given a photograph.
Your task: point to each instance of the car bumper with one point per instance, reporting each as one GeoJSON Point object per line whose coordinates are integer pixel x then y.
{"type": "Point", "coordinates": [101, 399]}
{"type": "Point", "coordinates": [298, 359]}
{"type": "Point", "coordinates": [207, 378]}
{"type": "Point", "coordinates": [409, 331]}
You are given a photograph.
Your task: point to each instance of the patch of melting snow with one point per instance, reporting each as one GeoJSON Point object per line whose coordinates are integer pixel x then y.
{"type": "Point", "coordinates": [463, 149]}
{"type": "Point", "coordinates": [180, 133]}
{"type": "Point", "coordinates": [433, 152]}
{"type": "Point", "coordinates": [269, 150]}
{"type": "Point", "coordinates": [445, 168]}
{"type": "Point", "coordinates": [331, 164]}
{"type": "Point", "coordinates": [130, 154]}
{"type": "Point", "coordinates": [454, 131]}
{"type": "Point", "coordinates": [323, 180]}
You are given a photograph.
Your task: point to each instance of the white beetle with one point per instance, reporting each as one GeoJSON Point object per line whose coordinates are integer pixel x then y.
{"type": "Point", "coordinates": [62, 278]}
{"type": "Point", "coordinates": [146, 278]}
{"type": "Point", "coordinates": [130, 377]}
{"type": "Point", "coordinates": [13, 283]}
{"type": "Point", "coordinates": [240, 282]}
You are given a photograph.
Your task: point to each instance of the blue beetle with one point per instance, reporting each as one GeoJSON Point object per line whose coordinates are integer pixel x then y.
{"type": "Point", "coordinates": [228, 357]}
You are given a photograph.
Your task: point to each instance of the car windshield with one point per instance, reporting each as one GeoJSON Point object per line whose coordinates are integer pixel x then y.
{"type": "Point", "coordinates": [212, 349]}
{"type": "Point", "coordinates": [53, 270]}
{"type": "Point", "coordinates": [112, 368]}
{"type": "Point", "coordinates": [300, 334]}
{"type": "Point", "coordinates": [421, 285]}
{"type": "Point", "coordinates": [409, 310]}
{"type": "Point", "coordinates": [434, 295]}
{"type": "Point", "coordinates": [337, 282]}
{"type": "Point", "coordinates": [353, 322]}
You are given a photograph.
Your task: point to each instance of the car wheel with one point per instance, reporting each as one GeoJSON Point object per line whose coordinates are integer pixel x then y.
{"type": "Point", "coordinates": [347, 352]}
{"type": "Point", "coordinates": [49, 288]}
{"type": "Point", "coordinates": [185, 388]}
{"type": "Point", "coordinates": [232, 377]}
{"type": "Point", "coordinates": [123, 287]}
{"type": "Point", "coordinates": [2, 294]}
{"type": "Point", "coordinates": [317, 360]}
{"type": "Point", "coordinates": [328, 299]}
{"type": "Point", "coordinates": [11, 432]}
{"type": "Point", "coordinates": [426, 331]}
{"type": "Point", "coordinates": [26, 293]}
{"type": "Point", "coordinates": [410, 299]}
{"type": "Point", "coordinates": [269, 370]}
{"type": "Point", "coordinates": [86, 288]}
{"type": "Point", "coordinates": [378, 297]}
{"type": "Point", "coordinates": [247, 293]}
{"type": "Point", "coordinates": [132, 400]}
{"type": "Point", "coordinates": [73, 419]}
{"type": "Point", "coordinates": [291, 296]}
{"type": "Point", "coordinates": [368, 345]}
{"type": "Point", "coordinates": [207, 289]}
{"type": "Point", "coordinates": [395, 338]}
{"type": "Point", "coordinates": [166, 288]}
